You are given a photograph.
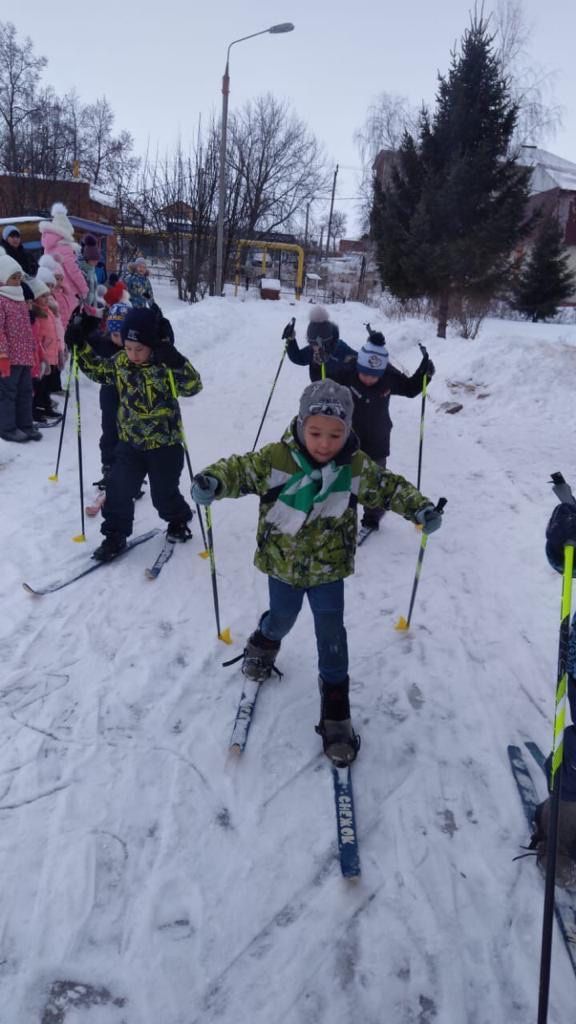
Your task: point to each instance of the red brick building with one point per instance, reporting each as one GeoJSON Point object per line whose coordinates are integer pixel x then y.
{"type": "Point", "coordinates": [28, 201]}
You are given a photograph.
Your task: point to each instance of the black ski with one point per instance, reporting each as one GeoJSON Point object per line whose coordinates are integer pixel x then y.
{"type": "Point", "coordinates": [363, 533]}
{"type": "Point", "coordinates": [164, 555]}
{"type": "Point", "coordinates": [77, 574]}
{"type": "Point", "coordinates": [564, 900]}
{"type": "Point", "coordinates": [46, 424]}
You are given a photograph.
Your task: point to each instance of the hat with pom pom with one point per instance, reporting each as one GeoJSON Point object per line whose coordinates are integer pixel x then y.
{"type": "Point", "coordinates": [59, 224]}
{"type": "Point", "coordinates": [373, 356]}
{"type": "Point", "coordinates": [321, 329]}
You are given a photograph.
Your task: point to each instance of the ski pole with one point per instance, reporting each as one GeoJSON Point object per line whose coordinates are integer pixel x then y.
{"type": "Point", "coordinates": [423, 410]}
{"type": "Point", "coordinates": [403, 623]}
{"type": "Point", "coordinates": [202, 554]}
{"type": "Point", "coordinates": [81, 536]}
{"type": "Point", "coordinates": [286, 333]}
{"type": "Point", "coordinates": [223, 634]}
{"type": "Point", "coordinates": [562, 491]}
{"type": "Point", "coordinates": [54, 475]}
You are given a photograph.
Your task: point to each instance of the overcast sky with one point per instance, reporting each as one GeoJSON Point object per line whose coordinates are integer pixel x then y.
{"type": "Point", "coordinates": [162, 70]}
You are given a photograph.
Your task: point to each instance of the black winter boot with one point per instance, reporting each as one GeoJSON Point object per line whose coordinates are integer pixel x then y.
{"type": "Point", "coordinates": [112, 546]}
{"type": "Point", "coordinates": [340, 742]}
{"type": "Point", "coordinates": [178, 532]}
{"type": "Point", "coordinates": [259, 657]}
{"type": "Point", "coordinates": [566, 854]}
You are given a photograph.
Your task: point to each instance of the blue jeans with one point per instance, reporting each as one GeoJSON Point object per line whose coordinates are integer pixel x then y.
{"type": "Point", "coordinates": [327, 605]}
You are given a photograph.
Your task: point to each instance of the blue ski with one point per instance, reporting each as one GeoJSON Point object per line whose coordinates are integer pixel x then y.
{"type": "Point", "coordinates": [91, 566]}
{"type": "Point", "coordinates": [163, 556]}
{"type": "Point", "coordinates": [243, 719]}
{"type": "Point", "coordinates": [346, 822]}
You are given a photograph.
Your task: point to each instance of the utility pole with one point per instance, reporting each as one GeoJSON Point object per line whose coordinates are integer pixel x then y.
{"type": "Point", "coordinates": [308, 205]}
{"type": "Point", "coordinates": [331, 211]}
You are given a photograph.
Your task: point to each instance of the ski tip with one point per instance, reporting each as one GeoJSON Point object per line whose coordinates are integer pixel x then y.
{"type": "Point", "coordinates": [79, 539]}
{"type": "Point", "coordinates": [352, 876]}
{"type": "Point", "coordinates": [203, 554]}
{"type": "Point", "coordinates": [30, 590]}
{"type": "Point", "coordinates": [235, 749]}
{"type": "Point", "coordinates": [402, 624]}
{"type": "Point", "coordinates": [53, 477]}
{"type": "Point", "coordinates": [225, 636]}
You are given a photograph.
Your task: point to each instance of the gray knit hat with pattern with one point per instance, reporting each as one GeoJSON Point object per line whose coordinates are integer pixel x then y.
{"type": "Point", "coordinates": [325, 398]}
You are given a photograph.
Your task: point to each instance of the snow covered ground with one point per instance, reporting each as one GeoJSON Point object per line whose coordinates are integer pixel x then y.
{"type": "Point", "coordinates": [146, 878]}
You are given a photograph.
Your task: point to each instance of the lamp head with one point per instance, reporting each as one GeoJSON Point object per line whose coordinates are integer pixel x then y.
{"type": "Point", "coordinates": [285, 26]}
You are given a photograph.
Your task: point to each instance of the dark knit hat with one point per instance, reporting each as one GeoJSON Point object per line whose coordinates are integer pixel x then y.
{"type": "Point", "coordinates": [90, 250]}
{"type": "Point", "coordinates": [325, 398]}
{"type": "Point", "coordinates": [373, 356]}
{"type": "Point", "coordinates": [142, 326]}
{"type": "Point", "coordinates": [321, 329]}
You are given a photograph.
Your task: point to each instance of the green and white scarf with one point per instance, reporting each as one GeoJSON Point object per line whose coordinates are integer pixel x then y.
{"type": "Point", "coordinates": [311, 494]}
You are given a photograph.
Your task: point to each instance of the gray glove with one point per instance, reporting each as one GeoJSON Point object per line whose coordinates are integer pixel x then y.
{"type": "Point", "coordinates": [429, 518]}
{"type": "Point", "coordinates": [204, 489]}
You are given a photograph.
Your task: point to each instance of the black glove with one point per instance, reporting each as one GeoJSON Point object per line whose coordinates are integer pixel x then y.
{"type": "Point", "coordinates": [427, 367]}
{"type": "Point", "coordinates": [79, 328]}
{"type": "Point", "coordinates": [288, 333]}
{"type": "Point", "coordinates": [165, 331]}
{"type": "Point", "coordinates": [166, 355]}
{"type": "Point", "coordinates": [561, 530]}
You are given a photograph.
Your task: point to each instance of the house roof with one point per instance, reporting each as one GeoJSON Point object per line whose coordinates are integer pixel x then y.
{"type": "Point", "coordinates": [548, 170]}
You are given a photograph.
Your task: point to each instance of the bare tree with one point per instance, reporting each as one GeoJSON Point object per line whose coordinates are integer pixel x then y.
{"type": "Point", "coordinates": [101, 150]}
{"type": "Point", "coordinates": [388, 117]}
{"type": "Point", "coordinates": [275, 167]}
{"type": "Point", "coordinates": [531, 86]}
{"type": "Point", "coordinates": [20, 71]}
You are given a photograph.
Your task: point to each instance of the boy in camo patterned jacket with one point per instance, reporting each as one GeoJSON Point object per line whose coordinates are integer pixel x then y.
{"type": "Point", "coordinates": [148, 373]}
{"type": "Point", "coordinates": [310, 484]}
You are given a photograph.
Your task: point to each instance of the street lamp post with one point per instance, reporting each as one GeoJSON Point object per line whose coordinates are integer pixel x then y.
{"type": "Point", "coordinates": [285, 26]}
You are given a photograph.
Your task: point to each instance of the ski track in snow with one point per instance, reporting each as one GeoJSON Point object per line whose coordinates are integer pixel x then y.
{"type": "Point", "coordinates": [150, 878]}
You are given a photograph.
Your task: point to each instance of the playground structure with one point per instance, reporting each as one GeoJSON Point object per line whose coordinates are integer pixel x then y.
{"type": "Point", "coordinates": [264, 247]}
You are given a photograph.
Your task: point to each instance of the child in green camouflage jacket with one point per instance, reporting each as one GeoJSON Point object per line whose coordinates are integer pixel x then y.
{"type": "Point", "coordinates": [310, 484]}
{"type": "Point", "coordinates": [148, 374]}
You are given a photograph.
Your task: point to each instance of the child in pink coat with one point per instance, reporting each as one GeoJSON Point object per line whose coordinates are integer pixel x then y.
{"type": "Point", "coordinates": [58, 241]}
{"type": "Point", "coordinates": [49, 348]}
{"type": "Point", "coordinates": [17, 352]}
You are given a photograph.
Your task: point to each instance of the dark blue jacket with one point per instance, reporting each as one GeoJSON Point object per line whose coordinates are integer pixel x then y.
{"type": "Point", "coordinates": [339, 358]}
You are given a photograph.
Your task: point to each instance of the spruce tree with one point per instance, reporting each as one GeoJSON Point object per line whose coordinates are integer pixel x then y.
{"type": "Point", "coordinates": [447, 222]}
{"type": "Point", "coordinates": [546, 279]}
